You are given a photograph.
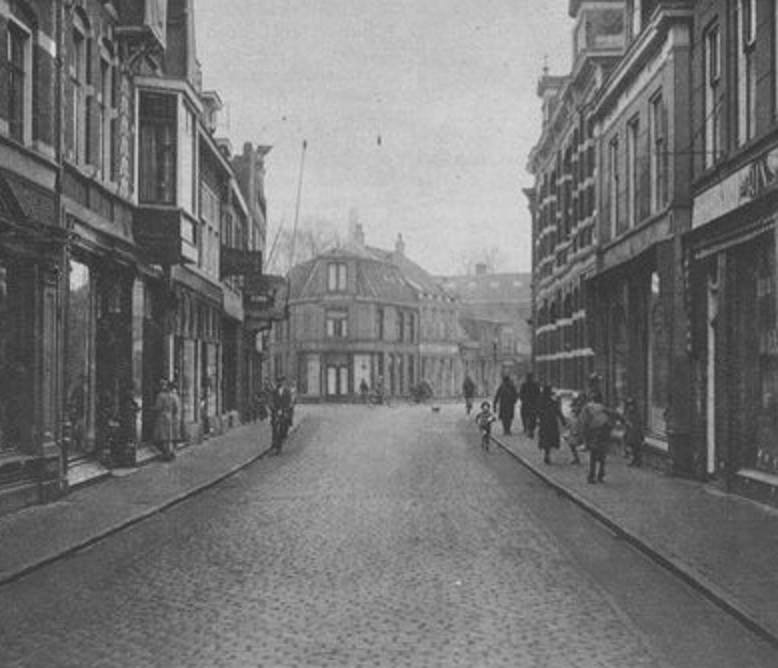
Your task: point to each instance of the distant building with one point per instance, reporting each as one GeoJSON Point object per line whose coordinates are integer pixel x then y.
{"type": "Point", "coordinates": [359, 313]}
{"type": "Point", "coordinates": [494, 314]}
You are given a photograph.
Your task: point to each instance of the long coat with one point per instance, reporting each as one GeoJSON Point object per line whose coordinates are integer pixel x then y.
{"type": "Point", "coordinates": [506, 399]}
{"type": "Point", "coordinates": [166, 407]}
{"type": "Point", "coordinates": [550, 415]}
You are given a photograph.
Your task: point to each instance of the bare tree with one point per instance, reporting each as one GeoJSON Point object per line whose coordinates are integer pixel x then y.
{"type": "Point", "coordinates": [313, 237]}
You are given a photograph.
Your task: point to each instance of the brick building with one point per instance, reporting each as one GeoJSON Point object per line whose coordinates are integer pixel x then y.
{"type": "Point", "coordinates": [565, 165]}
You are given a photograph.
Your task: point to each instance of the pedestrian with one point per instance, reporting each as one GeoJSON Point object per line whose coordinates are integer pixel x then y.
{"type": "Point", "coordinates": [468, 391]}
{"type": "Point", "coordinates": [550, 415]}
{"type": "Point", "coordinates": [484, 419]}
{"type": "Point", "coordinates": [177, 432]}
{"type": "Point", "coordinates": [596, 424]}
{"type": "Point", "coordinates": [634, 436]}
{"type": "Point", "coordinates": [164, 407]}
{"type": "Point", "coordinates": [364, 390]}
{"type": "Point", "coordinates": [529, 394]}
{"type": "Point", "coordinates": [280, 407]}
{"type": "Point", "coordinates": [505, 403]}
{"type": "Point", "coordinates": [574, 436]}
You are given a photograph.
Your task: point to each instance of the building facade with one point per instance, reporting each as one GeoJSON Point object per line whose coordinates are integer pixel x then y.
{"type": "Point", "coordinates": [495, 311]}
{"type": "Point", "coordinates": [731, 247]}
{"type": "Point", "coordinates": [642, 121]}
{"type": "Point", "coordinates": [116, 204]}
{"type": "Point", "coordinates": [359, 313]}
{"type": "Point", "coordinates": [565, 165]}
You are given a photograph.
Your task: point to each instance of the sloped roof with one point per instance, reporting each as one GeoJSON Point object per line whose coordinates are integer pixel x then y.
{"type": "Point", "coordinates": [421, 280]}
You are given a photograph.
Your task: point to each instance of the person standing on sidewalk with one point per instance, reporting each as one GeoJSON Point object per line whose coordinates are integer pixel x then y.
{"type": "Point", "coordinates": [529, 395]}
{"type": "Point", "coordinates": [550, 415]}
{"type": "Point", "coordinates": [574, 436]}
{"type": "Point", "coordinates": [280, 408]}
{"type": "Point", "coordinates": [634, 433]}
{"type": "Point", "coordinates": [596, 424]}
{"type": "Point", "coordinates": [164, 407]}
{"type": "Point", "coordinates": [506, 398]}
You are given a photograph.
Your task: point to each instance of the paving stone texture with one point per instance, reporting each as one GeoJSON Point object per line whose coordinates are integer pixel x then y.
{"type": "Point", "coordinates": [370, 542]}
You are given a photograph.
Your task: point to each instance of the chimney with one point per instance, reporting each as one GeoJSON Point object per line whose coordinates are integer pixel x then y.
{"type": "Point", "coordinates": [399, 245]}
{"type": "Point", "coordinates": [480, 269]}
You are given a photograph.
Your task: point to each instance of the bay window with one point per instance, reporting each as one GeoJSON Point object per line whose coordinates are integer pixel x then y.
{"type": "Point", "coordinates": [157, 154]}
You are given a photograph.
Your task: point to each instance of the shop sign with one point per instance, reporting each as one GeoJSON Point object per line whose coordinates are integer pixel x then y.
{"type": "Point", "coordinates": [745, 185]}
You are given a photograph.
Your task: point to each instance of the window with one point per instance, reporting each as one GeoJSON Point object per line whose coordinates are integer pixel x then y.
{"type": "Point", "coordinates": [401, 326]}
{"type": "Point", "coordinates": [712, 107]}
{"type": "Point", "coordinates": [78, 81]}
{"type": "Point", "coordinates": [157, 160]}
{"type": "Point", "coordinates": [337, 324]}
{"type": "Point", "coordinates": [379, 318]}
{"type": "Point", "coordinates": [336, 278]}
{"type": "Point", "coordinates": [658, 164]}
{"type": "Point", "coordinates": [632, 171]}
{"type": "Point", "coordinates": [613, 184]}
{"type": "Point", "coordinates": [105, 121]}
{"type": "Point", "coordinates": [19, 82]}
{"type": "Point", "coordinates": [746, 70]}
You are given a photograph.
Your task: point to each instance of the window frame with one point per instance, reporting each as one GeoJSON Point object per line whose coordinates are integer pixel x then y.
{"type": "Point", "coordinates": [658, 164]}
{"type": "Point", "coordinates": [24, 70]}
{"type": "Point", "coordinates": [336, 324]}
{"type": "Point", "coordinates": [632, 169]}
{"type": "Point", "coordinates": [337, 277]}
{"type": "Point", "coordinates": [711, 108]}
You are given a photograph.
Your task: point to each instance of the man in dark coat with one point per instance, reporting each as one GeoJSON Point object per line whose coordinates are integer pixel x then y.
{"type": "Point", "coordinates": [505, 403]}
{"type": "Point", "coordinates": [468, 391]}
{"type": "Point", "coordinates": [280, 412]}
{"type": "Point", "coordinates": [529, 394]}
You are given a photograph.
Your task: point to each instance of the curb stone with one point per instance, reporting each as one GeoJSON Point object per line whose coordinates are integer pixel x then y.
{"type": "Point", "coordinates": [689, 575]}
{"type": "Point", "coordinates": [135, 518]}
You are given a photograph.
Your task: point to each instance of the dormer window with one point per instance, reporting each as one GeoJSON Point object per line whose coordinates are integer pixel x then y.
{"type": "Point", "coordinates": [336, 277]}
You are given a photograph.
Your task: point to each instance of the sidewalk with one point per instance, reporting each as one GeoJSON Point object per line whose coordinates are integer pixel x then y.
{"type": "Point", "coordinates": [38, 535]}
{"type": "Point", "coordinates": [723, 545]}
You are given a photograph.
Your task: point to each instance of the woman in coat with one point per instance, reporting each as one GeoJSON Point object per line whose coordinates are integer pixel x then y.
{"type": "Point", "coordinates": [506, 398]}
{"type": "Point", "coordinates": [550, 416]}
{"type": "Point", "coordinates": [166, 409]}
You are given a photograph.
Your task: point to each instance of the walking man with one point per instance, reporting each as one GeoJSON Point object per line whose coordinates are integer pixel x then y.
{"type": "Point", "coordinates": [280, 410]}
{"type": "Point", "coordinates": [529, 394]}
{"type": "Point", "coordinates": [596, 423]}
{"type": "Point", "coordinates": [505, 399]}
{"type": "Point", "coordinates": [468, 391]}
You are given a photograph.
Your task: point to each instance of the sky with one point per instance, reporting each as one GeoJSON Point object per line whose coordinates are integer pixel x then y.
{"type": "Point", "coordinates": [418, 114]}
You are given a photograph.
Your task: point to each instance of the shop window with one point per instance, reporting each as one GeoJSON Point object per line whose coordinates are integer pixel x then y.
{"type": "Point", "coordinates": [157, 159]}
{"type": "Point", "coordinates": [767, 328]}
{"type": "Point", "coordinates": [658, 359]}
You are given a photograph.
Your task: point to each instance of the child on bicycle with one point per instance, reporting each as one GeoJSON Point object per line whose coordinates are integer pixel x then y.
{"type": "Point", "coordinates": [484, 419]}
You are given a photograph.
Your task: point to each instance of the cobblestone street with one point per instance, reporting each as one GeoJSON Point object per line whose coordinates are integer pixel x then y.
{"type": "Point", "coordinates": [380, 537]}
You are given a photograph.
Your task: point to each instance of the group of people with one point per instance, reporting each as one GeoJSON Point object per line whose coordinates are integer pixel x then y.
{"type": "Point", "coordinates": [590, 424]}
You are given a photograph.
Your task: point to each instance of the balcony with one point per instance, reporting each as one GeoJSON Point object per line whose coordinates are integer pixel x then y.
{"type": "Point", "coordinates": [143, 23]}
{"type": "Point", "coordinates": [167, 235]}
{"type": "Point", "coordinates": [261, 301]}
